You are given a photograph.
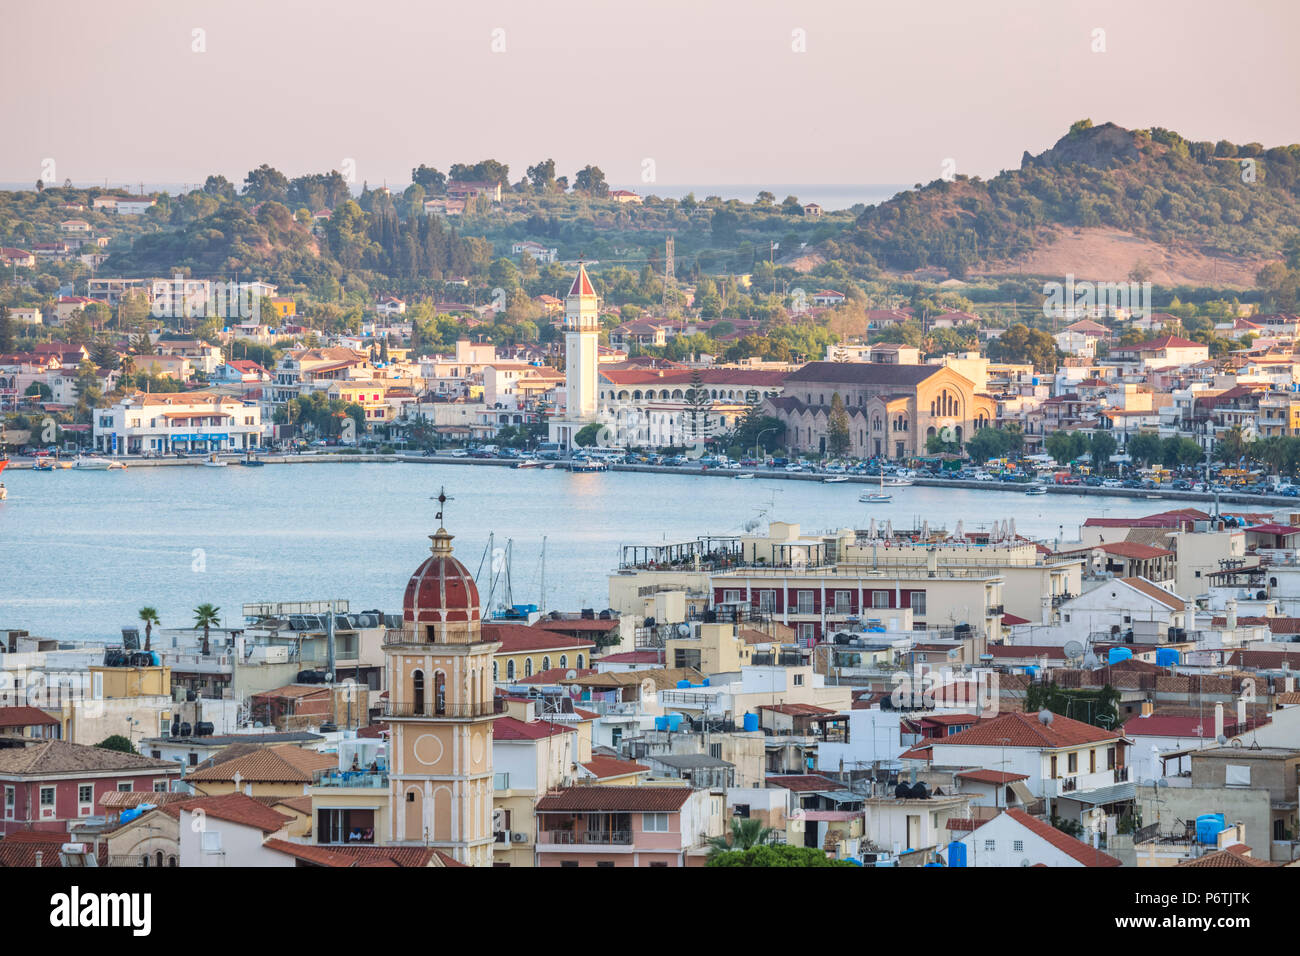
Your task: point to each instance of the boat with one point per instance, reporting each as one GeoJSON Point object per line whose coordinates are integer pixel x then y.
{"type": "Point", "coordinates": [4, 463]}
{"type": "Point", "coordinates": [898, 482]}
{"type": "Point", "coordinates": [214, 462]}
{"type": "Point", "coordinates": [879, 497]}
{"type": "Point", "coordinates": [1036, 490]}
{"type": "Point", "coordinates": [548, 465]}
{"type": "Point", "coordinates": [833, 479]}
{"type": "Point", "coordinates": [581, 466]}
{"type": "Point", "coordinates": [251, 463]}
{"type": "Point", "coordinates": [90, 463]}
{"type": "Point", "coordinates": [527, 463]}
{"type": "Point", "coordinates": [44, 464]}
{"type": "Point", "coordinates": [4, 492]}
{"type": "Point", "coordinates": [745, 477]}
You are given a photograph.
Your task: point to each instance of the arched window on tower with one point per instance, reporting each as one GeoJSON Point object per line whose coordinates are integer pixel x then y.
{"type": "Point", "coordinates": [495, 673]}
{"type": "Point", "coordinates": [417, 692]}
{"type": "Point", "coordinates": [564, 660]}
{"type": "Point", "coordinates": [440, 693]}
{"type": "Point", "coordinates": [510, 670]}
{"type": "Point", "coordinates": [528, 667]}
{"type": "Point", "coordinates": [579, 662]}
{"type": "Point", "coordinates": [546, 662]}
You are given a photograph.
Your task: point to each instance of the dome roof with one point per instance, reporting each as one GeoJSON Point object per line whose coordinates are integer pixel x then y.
{"type": "Point", "coordinates": [441, 591]}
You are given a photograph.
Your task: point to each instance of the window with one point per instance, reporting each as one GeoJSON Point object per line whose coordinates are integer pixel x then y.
{"type": "Point", "coordinates": [546, 662]}
{"type": "Point", "coordinates": [194, 760]}
{"type": "Point", "coordinates": [880, 599]}
{"type": "Point", "coordinates": [10, 797]}
{"type": "Point", "coordinates": [731, 596]}
{"type": "Point", "coordinates": [843, 602]}
{"type": "Point", "coordinates": [510, 670]}
{"type": "Point", "coordinates": [654, 822]}
{"type": "Point", "coordinates": [211, 841]}
{"type": "Point", "coordinates": [990, 846]}
{"type": "Point", "coordinates": [767, 600]}
{"type": "Point", "coordinates": [1018, 846]}
{"type": "Point", "coordinates": [1092, 761]}
{"type": "Point", "coordinates": [124, 786]}
{"type": "Point", "coordinates": [798, 680]}
{"type": "Point", "coordinates": [660, 863]}
{"type": "Point", "coordinates": [568, 863]}
{"type": "Point", "coordinates": [85, 793]}
{"type": "Point", "coordinates": [918, 603]}
{"type": "Point", "coordinates": [160, 786]}
{"type": "Point", "coordinates": [495, 674]}
{"type": "Point", "coordinates": [605, 863]}
{"type": "Point", "coordinates": [579, 662]}
{"type": "Point", "coordinates": [805, 603]}
{"type": "Point", "coordinates": [528, 667]}
{"type": "Point", "coordinates": [47, 797]}
{"type": "Point", "coordinates": [1072, 763]}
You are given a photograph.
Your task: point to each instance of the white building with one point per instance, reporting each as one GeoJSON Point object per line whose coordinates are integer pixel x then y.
{"type": "Point", "coordinates": [1014, 838]}
{"type": "Point", "coordinates": [162, 422]}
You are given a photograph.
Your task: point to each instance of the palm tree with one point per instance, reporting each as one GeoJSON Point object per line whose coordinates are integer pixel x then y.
{"type": "Point", "coordinates": [746, 833]}
{"type": "Point", "coordinates": [150, 618]}
{"type": "Point", "coordinates": [205, 616]}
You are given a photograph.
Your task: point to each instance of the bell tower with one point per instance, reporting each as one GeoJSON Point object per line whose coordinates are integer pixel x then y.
{"type": "Point", "coordinates": [441, 705]}
{"type": "Point", "coordinates": [581, 354]}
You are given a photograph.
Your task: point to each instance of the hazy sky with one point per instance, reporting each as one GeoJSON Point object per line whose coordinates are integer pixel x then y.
{"type": "Point", "coordinates": [710, 92]}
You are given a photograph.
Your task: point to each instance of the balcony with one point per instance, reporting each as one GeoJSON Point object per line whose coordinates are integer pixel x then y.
{"type": "Point", "coordinates": [354, 779]}
{"type": "Point", "coordinates": [587, 837]}
{"type": "Point", "coordinates": [448, 709]}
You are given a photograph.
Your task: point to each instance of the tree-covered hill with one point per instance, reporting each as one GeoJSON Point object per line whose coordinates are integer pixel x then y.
{"type": "Point", "coordinates": [1218, 199]}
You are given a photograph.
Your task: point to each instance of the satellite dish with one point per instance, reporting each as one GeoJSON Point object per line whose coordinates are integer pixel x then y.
{"type": "Point", "coordinates": [570, 674]}
{"type": "Point", "coordinates": [648, 688]}
{"type": "Point", "coordinates": [1025, 862]}
{"type": "Point", "coordinates": [683, 630]}
{"type": "Point", "coordinates": [1221, 739]}
{"type": "Point", "coordinates": [1045, 718]}
{"type": "Point", "coordinates": [1090, 660]}
{"type": "Point", "coordinates": [1073, 649]}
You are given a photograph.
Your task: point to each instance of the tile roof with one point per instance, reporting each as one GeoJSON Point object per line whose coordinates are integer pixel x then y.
{"type": "Point", "coordinates": [26, 717]}
{"type": "Point", "coordinates": [991, 776]}
{"type": "Point", "coordinates": [511, 728]}
{"type": "Point", "coordinates": [862, 373]}
{"type": "Point", "coordinates": [803, 783]}
{"type": "Point", "coordinates": [19, 848]}
{"type": "Point", "coordinates": [632, 657]}
{"type": "Point", "coordinates": [601, 766]}
{"type": "Point", "coordinates": [1227, 858]}
{"type": "Point", "coordinates": [299, 804]}
{"type": "Point", "coordinates": [615, 799]}
{"type": "Point", "coordinates": [1156, 593]}
{"type": "Point", "coordinates": [1067, 844]}
{"type": "Point", "coordinates": [1026, 651]}
{"type": "Point", "coordinates": [797, 710]}
{"type": "Point", "coordinates": [520, 638]}
{"type": "Point", "coordinates": [578, 624]}
{"type": "Point", "coordinates": [1025, 730]}
{"type": "Point", "coordinates": [664, 678]}
{"type": "Point", "coordinates": [284, 764]}
{"type": "Point", "coordinates": [555, 674]}
{"type": "Point", "coordinates": [344, 857]}
{"type": "Point", "coordinates": [234, 807]}
{"type": "Point", "coordinates": [61, 757]}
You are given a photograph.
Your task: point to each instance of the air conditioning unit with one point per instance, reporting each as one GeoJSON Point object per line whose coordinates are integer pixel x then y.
{"type": "Point", "coordinates": [518, 836]}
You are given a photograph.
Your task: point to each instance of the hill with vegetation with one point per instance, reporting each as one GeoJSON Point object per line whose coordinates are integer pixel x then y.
{"type": "Point", "coordinates": [1103, 200]}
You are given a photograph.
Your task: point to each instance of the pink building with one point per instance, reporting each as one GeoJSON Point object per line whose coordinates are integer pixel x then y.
{"type": "Point", "coordinates": [51, 784]}
{"type": "Point", "coordinates": [624, 826]}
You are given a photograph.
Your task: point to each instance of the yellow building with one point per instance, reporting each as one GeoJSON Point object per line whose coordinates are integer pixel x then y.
{"type": "Point", "coordinates": [441, 707]}
{"type": "Point", "coordinates": [284, 771]}
{"type": "Point", "coordinates": [285, 307]}
{"type": "Point", "coordinates": [371, 396]}
{"type": "Point", "coordinates": [523, 651]}
{"type": "Point", "coordinates": [714, 649]}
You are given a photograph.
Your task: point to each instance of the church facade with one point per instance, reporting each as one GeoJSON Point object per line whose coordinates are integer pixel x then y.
{"type": "Point", "coordinates": [892, 409]}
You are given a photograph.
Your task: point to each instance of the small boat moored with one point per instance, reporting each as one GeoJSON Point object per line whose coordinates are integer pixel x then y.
{"type": "Point", "coordinates": [213, 461]}
{"type": "Point", "coordinates": [91, 463]}
{"type": "Point", "coordinates": [1036, 490]}
{"type": "Point", "coordinates": [834, 479]}
{"type": "Point", "coordinates": [745, 477]}
{"type": "Point", "coordinates": [875, 499]}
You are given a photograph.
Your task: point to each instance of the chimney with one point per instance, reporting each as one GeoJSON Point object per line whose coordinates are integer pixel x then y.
{"type": "Point", "coordinates": [1232, 614]}
{"type": "Point", "coordinates": [1147, 708]}
{"type": "Point", "coordinates": [1047, 609]}
{"type": "Point", "coordinates": [932, 561]}
{"type": "Point", "coordinates": [1218, 721]}
{"type": "Point", "coordinates": [39, 856]}
{"type": "Point", "coordinates": [1241, 713]}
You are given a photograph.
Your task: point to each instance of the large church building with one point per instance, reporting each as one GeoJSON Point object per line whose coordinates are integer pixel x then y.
{"type": "Point", "coordinates": [892, 409]}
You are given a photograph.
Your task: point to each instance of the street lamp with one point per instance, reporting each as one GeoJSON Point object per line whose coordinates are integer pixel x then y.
{"type": "Point", "coordinates": [758, 440]}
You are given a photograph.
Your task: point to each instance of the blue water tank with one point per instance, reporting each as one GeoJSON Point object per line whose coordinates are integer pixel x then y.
{"type": "Point", "coordinates": [1035, 381]}
{"type": "Point", "coordinates": [956, 854]}
{"type": "Point", "coordinates": [751, 722]}
{"type": "Point", "coordinates": [705, 682]}
{"type": "Point", "coordinates": [1032, 670]}
{"type": "Point", "coordinates": [1167, 656]}
{"type": "Point", "coordinates": [157, 658]}
{"type": "Point", "coordinates": [934, 864]}
{"type": "Point", "coordinates": [1208, 827]}
{"type": "Point", "coordinates": [683, 683]}
{"type": "Point", "coordinates": [674, 721]}
{"type": "Point", "coordinates": [661, 723]}
{"type": "Point", "coordinates": [1118, 654]}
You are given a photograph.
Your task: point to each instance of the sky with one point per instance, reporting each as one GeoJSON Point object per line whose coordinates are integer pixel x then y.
{"type": "Point", "coordinates": [672, 92]}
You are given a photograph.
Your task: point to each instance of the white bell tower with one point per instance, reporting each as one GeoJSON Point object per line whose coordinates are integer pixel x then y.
{"type": "Point", "coordinates": [581, 352]}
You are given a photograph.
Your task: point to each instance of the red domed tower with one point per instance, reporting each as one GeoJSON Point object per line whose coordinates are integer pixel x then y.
{"type": "Point", "coordinates": [441, 705]}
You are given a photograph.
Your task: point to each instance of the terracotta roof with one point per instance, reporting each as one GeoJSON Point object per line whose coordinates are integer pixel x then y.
{"type": "Point", "coordinates": [1228, 858]}
{"type": "Point", "coordinates": [665, 678]}
{"type": "Point", "coordinates": [615, 799]}
{"type": "Point", "coordinates": [300, 804]}
{"type": "Point", "coordinates": [581, 283]}
{"type": "Point", "coordinates": [601, 766]}
{"type": "Point", "coordinates": [578, 624]}
{"type": "Point", "coordinates": [1026, 651]}
{"type": "Point", "coordinates": [1166, 342]}
{"type": "Point", "coordinates": [1011, 619]}
{"type": "Point", "coordinates": [26, 717]}
{"type": "Point", "coordinates": [287, 764]}
{"type": "Point", "coordinates": [1126, 549]}
{"type": "Point", "coordinates": [521, 639]}
{"type": "Point", "coordinates": [234, 807]}
{"type": "Point", "coordinates": [344, 857]}
{"type": "Point", "coordinates": [1025, 730]}
{"type": "Point", "coordinates": [60, 757]}
{"type": "Point", "coordinates": [1264, 660]}
{"type": "Point", "coordinates": [555, 675]}
{"type": "Point", "coordinates": [295, 691]}
{"type": "Point", "coordinates": [804, 783]}
{"type": "Point", "coordinates": [797, 710]}
{"type": "Point", "coordinates": [1067, 844]}
{"type": "Point", "coordinates": [632, 657]}
{"type": "Point", "coordinates": [20, 847]}
{"type": "Point", "coordinates": [1155, 592]}
{"type": "Point", "coordinates": [991, 776]}
{"type": "Point", "coordinates": [511, 728]}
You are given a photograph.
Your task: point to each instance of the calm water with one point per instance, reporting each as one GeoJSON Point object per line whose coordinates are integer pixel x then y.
{"type": "Point", "coordinates": [80, 552]}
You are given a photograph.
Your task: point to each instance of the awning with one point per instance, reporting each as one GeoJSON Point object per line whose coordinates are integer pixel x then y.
{"type": "Point", "coordinates": [1116, 793]}
{"type": "Point", "coordinates": [1022, 792]}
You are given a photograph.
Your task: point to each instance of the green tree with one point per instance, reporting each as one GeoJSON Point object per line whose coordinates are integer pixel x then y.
{"type": "Point", "coordinates": [775, 855]}
{"type": "Point", "coordinates": [746, 833]}
{"type": "Point", "coordinates": [1100, 447]}
{"type": "Point", "coordinates": [6, 331]}
{"type": "Point", "coordinates": [837, 428]}
{"type": "Point", "coordinates": [150, 617]}
{"type": "Point", "coordinates": [1021, 345]}
{"type": "Point", "coordinates": [1144, 447]}
{"type": "Point", "coordinates": [591, 180]}
{"type": "Point", "coordinates": [118, 743]}
{"type": "Point", "coordinates": [587, 435]}
{"type": "Point", "coordinates": [697, 408]}
{"type": "Point", "coordinates": [1231, 445]}
{"type": "Point", "coordinates": [206, 616]}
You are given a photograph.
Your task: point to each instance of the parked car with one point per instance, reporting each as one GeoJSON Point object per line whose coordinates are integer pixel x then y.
{"type": "Point", "coordinates": [459, 453]}
{"type": "Point", "coordinates": [1092, 481]}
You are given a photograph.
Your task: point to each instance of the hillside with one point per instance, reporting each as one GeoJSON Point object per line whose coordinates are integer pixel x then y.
{"type": "Point", "coordinates": [1100, 203]}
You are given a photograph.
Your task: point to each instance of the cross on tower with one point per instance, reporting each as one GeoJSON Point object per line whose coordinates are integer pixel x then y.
{"type": "Point", "coordinates": [442, 499]}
